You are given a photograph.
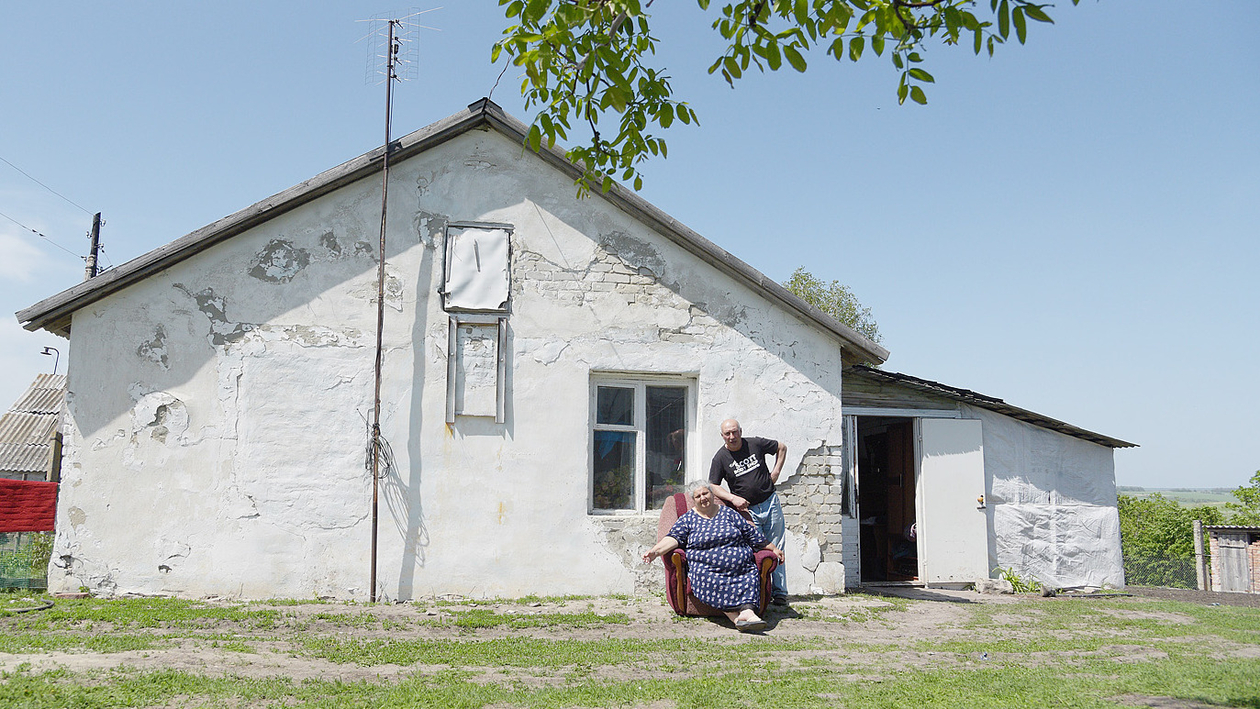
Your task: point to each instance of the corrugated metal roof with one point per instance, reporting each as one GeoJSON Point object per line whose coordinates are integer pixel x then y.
{"type": "Point", "coordinates": [1231, 528]}
{"type": "Point", "coordinates": [44, 396]}
{"type": "Point", "coordinates": [19, 428]}
{"type": "Point", "coordinates": [27, 429]}
{"type": "Point", "coordinates": [988, 402]}
{"type": "Point", "coordinates": [17, 458]}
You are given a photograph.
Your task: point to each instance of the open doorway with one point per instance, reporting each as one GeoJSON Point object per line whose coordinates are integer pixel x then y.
{"type": "Point", "coordinates": [886, 504]}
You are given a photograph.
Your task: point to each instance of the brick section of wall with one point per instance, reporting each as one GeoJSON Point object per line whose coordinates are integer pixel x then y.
{"type": "Point", "coordinates": [606, 273]}
{"type": "Point", "coordinates": [1253, 552]}
{"type": "Point", "coordinates": [609, 276]}
{"type": "Point", "coordinates": [1214, 574]}
{"type": "Point", "coordinates": [813, 500]}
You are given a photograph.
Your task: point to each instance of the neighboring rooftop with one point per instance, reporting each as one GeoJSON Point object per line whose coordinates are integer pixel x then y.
{"type": "Point", "coordinates": [26, 430]}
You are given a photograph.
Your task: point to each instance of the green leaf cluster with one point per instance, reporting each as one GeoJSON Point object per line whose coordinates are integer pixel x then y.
{"type": "Point", "coordinates": [587, 63]}
{"type": "Point", "coordinates": [1155, 525]}
{"type": "Point", "coordinates": [1246, 508]}
{"type": "Point", "coordinates": [590, 63]}
{"type": "Point", "coordinates": [834, 299]}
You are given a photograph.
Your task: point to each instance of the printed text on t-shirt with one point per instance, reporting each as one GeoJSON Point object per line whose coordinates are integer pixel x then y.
{"type": "Point", "coordinates": [740, 468]}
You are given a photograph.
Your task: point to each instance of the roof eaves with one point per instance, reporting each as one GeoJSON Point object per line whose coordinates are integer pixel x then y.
{"type": "Point", "coordinates": [993, 404]}
{"type": "Point", "coordinates": [1232, 528]}
{"type": "Point", "coordinates": [53, 314]}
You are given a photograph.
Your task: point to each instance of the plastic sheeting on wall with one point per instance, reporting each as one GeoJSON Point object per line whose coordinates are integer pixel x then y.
{"type": "Point", "coordinates": [1054, 504]}
{"type": "Point", "coordinates": [477, 269]}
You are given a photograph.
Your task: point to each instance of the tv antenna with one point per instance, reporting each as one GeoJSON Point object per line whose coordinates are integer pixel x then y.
{"type": "Point", "coordinates": [394, 55]}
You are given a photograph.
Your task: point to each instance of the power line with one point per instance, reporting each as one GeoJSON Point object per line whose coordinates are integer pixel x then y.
{"type": "Point", "coordinates": [42, 236]}
{"type": "Point", "coordinates": [32, 179]}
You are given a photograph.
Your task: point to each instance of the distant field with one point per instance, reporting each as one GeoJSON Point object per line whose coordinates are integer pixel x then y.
{"type": "Point", "coordinates": [1188, 497]}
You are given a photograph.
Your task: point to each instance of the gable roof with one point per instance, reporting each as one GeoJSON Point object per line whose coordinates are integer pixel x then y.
{"type": "Point", "coordinates": [27, 428]}
{"type": "Point", "coordinates": [53, 314]}
{"type": "Point", "coordinates": [967, 396]}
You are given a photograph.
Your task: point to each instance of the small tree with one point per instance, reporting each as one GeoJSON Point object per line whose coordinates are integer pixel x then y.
{"type": "Point", "coordinates": [1246, 511]}
{"type": "Point", "coordinates": [1157, 535]}
{"type": "Point", "coordinates": [834, 299]}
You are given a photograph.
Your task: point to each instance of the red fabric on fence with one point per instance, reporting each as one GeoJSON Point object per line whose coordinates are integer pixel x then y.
{"type": "Point", "coordinates": [27, 505]}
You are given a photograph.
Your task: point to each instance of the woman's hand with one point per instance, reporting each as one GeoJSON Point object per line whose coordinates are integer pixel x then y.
{"type": "Point", "coordinates": [663, 547]}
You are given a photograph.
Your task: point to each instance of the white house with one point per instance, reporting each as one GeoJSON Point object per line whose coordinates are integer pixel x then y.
{"type": "Point", "coordinates": [553, 367]}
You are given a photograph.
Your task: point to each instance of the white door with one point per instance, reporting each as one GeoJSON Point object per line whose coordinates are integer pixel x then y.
{"type": "Point", "coordinates": [953, 529]}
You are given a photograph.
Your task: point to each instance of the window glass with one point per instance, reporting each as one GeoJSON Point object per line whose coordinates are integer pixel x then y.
{"type": "Point", "coordinates": [613, 487]}
{"type": "Point", "coordinates": [639, 440]}
{"type": "Point", "coordinates": [615, 406]}
{"type": "Point", "coordinates": [666, 442]}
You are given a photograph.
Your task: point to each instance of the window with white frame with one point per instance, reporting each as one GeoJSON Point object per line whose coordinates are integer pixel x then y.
{"type": "Point", "coordinates": [639, 430]}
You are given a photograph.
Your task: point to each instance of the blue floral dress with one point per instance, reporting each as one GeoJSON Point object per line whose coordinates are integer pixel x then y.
{"type": "Point", "coordinates": [720, 565]}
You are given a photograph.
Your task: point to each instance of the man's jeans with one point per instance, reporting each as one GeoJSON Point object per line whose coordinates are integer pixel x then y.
{"type": "Point", "coordinates": [769, 518]}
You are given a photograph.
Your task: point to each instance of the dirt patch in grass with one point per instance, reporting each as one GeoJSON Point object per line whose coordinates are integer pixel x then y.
{"type": "Point", "coordinates": [855, 637]}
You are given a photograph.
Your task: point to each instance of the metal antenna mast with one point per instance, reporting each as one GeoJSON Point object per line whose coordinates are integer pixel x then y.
{"type": "Point", "coordinates": [396, 31]}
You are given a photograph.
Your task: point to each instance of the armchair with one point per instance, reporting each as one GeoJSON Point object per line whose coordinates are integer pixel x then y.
{"type": "Point", "coordinates": [677, 588]}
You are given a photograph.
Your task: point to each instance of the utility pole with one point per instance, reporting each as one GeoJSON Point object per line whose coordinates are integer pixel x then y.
{"type": "Point", "coordinates": [95, 249]}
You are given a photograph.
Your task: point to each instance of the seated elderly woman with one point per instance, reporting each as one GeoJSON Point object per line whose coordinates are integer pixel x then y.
{"type": "Point", "coordinates": [720, 545]}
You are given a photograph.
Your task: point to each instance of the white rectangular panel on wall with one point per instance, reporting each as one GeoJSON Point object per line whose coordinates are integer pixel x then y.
{"type": "Point", "coordinates": [476, 268]}
{"type": "Point", "coordinates": [952, 522]}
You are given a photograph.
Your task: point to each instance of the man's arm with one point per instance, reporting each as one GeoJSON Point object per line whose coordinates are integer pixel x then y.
{"type": "Point", "coordinates": [728, 497]}
{"type": "Point", "coordinates": [719, 491]}
{"type": "Point", "coordinates": [779, 457]}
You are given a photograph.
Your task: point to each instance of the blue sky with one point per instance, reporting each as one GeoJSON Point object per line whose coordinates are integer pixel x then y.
{"type": "Point", "coordinates": [1070, 226]}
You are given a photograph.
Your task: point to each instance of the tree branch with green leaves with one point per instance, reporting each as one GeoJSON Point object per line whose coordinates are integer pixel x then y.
{"type": "Point", "coordinates": [591, 63]}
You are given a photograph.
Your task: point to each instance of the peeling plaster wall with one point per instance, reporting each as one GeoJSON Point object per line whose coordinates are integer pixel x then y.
{"type": "Point", "coordinates": [218, 410]}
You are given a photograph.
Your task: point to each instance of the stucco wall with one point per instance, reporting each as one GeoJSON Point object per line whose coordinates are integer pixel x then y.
{"type": "Point", "coordinates": [218, 410]}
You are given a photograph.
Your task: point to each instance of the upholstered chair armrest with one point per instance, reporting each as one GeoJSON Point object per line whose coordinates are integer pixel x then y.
{"type": "Point", "coordinates": [764, 557]}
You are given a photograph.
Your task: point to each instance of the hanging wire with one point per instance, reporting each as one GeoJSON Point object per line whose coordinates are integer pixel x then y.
{"type": "Point", "coordinates": [32, 179]}
{"type": "Point", "coordinates": [377, 444]}
{"type": "Point", "coordinates": [42, 236]}
{"type": "Point", "coordinates": [106, 257]}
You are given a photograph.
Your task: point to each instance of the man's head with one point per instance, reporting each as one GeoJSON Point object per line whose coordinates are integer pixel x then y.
{"type": "Point", "coordinates": [732, 434]}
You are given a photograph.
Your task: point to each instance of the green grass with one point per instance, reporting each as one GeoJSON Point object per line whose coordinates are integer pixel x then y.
{"type": "Point", "coordinates": [1030, 652]}
{"type": "Point", "coordinates": [146, 613]}
{"type": "Point", "coordinates": [1231, 684]}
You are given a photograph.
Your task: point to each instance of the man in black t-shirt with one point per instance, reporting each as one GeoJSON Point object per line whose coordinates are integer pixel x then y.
{"type": "Point", "coordinates": [741, 463]}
